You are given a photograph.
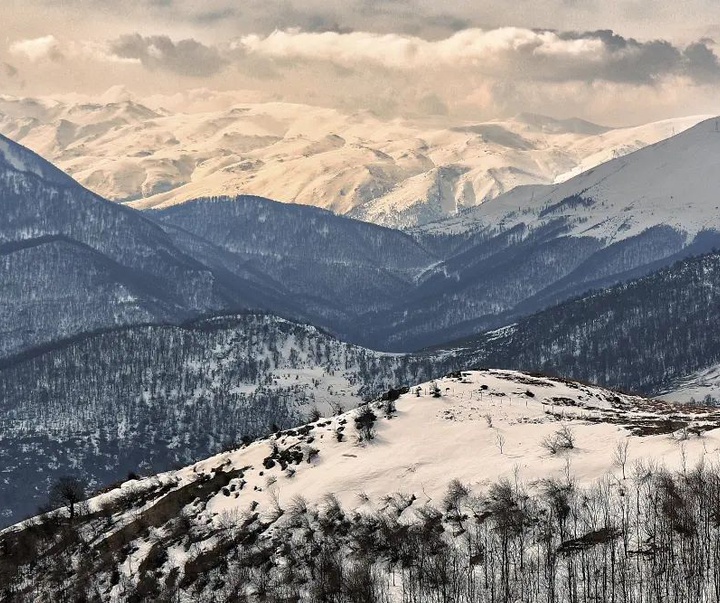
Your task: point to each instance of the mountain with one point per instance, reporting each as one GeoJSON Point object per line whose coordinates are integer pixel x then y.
{"type": "Point", "coordinates": [389, 290]}
{"type": "Point", "coordinates": [654, 335]}
{"type": "Point", "coordinates": [150, 397]}
{"type": "Point", "coordinates": [670, 183]}
{"type": "Point", "coordinates": [535, 247]}
{"type": "Point", "coordinates": [335, 268]}
{"type": "Point", "coordinates": [700, 387]}
{"type": "Point", "coordinates": [400, 172]}
{"type": "Point", "coordinates": [374, 286]}
{"type": "Point", "coordinates": [440, 494]}
{"type": "Point", "coordinates": [73, 262]}
{"type": "Point", "coordinates": [172, 394]}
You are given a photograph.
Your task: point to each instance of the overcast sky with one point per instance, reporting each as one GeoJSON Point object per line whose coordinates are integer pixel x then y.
{"type": "Point", "coordinates": [620, 62]}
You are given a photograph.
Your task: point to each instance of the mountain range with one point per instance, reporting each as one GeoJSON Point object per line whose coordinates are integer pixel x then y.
{"type": "Point", "coordinates": [136, 340]}
{"type": "Point", "coordinates": [401, 172]}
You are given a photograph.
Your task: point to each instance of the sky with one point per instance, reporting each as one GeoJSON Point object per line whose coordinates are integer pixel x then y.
{"type": "Point", "coordinates": [616, 63]}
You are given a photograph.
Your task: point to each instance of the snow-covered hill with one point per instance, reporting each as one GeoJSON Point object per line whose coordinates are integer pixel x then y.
{"type": "Point", "coordinates": [157, 396]}
{"type": "Point", "coordinates": [400, 172]}
{"type": "Point", "coordinates": [480, 462]}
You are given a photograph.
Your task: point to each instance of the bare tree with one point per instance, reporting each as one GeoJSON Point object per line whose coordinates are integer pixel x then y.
{"type": "Point", "coordinates": [500, 441]}
{"type": "Point", "coordinates": [620, 455]}
{"type": "Point", "coordinates": [562, 439]}
{"type": "Point", "coordinates": [67, 491]}
{"type": "Point", "coordinates": [314, 414]}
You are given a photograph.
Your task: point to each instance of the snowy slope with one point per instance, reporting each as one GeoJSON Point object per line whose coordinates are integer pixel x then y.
{"type": "Point", "coordinates": [672, 183]}
{"type": "Point", "coordinates": [400, 173]}
{"type": "Point", "coordinates": [169, 395]}
{"type": "Point", "coordinates": [701, 386]}
{"type": "Point", "coordinates": [433, 440]}
{"type": "Point", "coordinates": [483, 426]}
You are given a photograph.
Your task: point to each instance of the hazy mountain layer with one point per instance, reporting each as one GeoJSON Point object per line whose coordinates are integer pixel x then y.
{"type": "Point", "coordinates": [398, 173]}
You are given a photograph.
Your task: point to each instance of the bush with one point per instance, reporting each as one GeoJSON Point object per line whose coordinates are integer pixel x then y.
{"type": "Point", "coordinates": [314, 415]}
{"type": "Point", "coordinates": [455, 493]}
{"type": "Point", "coordinates": [562, 439]}
{"type": "Point", "coordinates": [365, 423]}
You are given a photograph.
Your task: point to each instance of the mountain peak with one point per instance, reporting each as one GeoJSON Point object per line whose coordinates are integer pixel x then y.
{"type": "Point", "coordinates": [17, 158]}
{"type": "Point", "coordinates": [573, 125]}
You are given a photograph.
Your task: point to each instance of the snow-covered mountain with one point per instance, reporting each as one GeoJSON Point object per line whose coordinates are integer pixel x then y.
{"type": "Point", "coordinates": [439, 492]}
{"type": "Point", "coordinates": [671, 183]}
{"type": "Point", "coordinates": [400, 172]}
{"type": "Point", "coordinates": [536, 246]}
{"type": "Point", "coordinates": [375, 286]}
{"type": "Point", "coordinates": [177, 393]}
{"type": "Point", "coordinates": [701, 387]}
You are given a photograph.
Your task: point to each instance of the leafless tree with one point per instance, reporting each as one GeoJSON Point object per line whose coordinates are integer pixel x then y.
{"type": "Point", "coordinates": [68, 492]}
{"type": "Point", "coordinates": [500, 441]}
{"type": "Point", "coordinates": [620, 455]}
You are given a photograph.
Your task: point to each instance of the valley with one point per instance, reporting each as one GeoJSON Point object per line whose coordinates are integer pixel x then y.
{"type": "Point", "coordinates": [359, 301]}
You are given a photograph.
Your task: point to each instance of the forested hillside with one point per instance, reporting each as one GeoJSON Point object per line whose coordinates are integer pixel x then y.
{"type": "Point", "coordinates": [386, 290]}
{"type": "Point", "coordinates": [335, 268]}
{"type": "Point", "coordinates": [641, 336]}
{"type": "Point", "coordinates": [72, 262]}
{"type": "Point", "coordinates": [148, 397]}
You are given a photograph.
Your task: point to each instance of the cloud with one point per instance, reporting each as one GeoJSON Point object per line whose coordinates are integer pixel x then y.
{"type": "Point", "coordinates": [185, 57]}
{"type": "Point", "coordinates": [508, 52]}
{"type": "Point", "coordinates": [8, 70]}
{"type": "Point", "coordinates": [38, 49]}
{"type": "Point", "coordinates": [462, 73]}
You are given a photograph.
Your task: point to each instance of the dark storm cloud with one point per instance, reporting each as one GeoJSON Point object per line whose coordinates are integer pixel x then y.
{"type": "Point", "coordinates": [185, 57]}
{"type": "Point", "coordinates": [632, 61]}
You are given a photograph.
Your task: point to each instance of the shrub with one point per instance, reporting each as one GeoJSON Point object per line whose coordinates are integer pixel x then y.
{"type": "Point", "coordinates": [455, 493]}
{"type": "Point", "coordinates": [314, 415]}
{"type": "Point", "coordinates": [365, 423]}
{"type": "Point", "coordinates": [562, 439]}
